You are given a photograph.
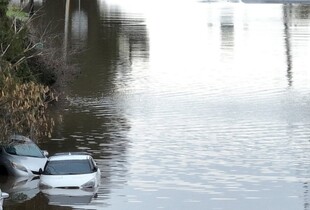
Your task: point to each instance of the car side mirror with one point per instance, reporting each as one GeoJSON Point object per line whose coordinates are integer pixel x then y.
{"type": "Point", "coordinates": [40, 171]}
{"type": "Point", "coordinates": [45, 153]}
{"type": "Point", "coordinates": [95, 168]}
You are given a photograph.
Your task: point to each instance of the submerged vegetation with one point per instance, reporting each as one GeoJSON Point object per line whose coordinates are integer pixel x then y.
{"type": "Point", "coordinates": [25, 91]}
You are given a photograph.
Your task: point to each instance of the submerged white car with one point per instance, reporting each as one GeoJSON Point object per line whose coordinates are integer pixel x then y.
{"type": "Point", "coordinates": [76, 170]}
{"type": "Point", "coordinates": [21, 157]}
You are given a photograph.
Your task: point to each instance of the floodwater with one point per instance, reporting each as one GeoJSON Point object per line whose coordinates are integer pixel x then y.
{"type": "Point", "coordinates": [184, 104]}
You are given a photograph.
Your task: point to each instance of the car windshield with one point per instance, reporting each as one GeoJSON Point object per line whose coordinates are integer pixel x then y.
{"type": "Point", "coordinates": [66, 167]}
{"type": "Point", "coordinates": [24, 149]}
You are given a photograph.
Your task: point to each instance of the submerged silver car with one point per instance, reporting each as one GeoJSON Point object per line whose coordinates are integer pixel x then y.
{"type": "Point", "coordinates": [21, 157]}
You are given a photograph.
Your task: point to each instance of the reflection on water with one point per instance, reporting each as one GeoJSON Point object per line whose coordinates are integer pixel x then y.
{"type": "Point", "coordinates": [70, 197]}
{"type": "Point", "coordinates": [187, 104]}
{"type": "Point", "coordinates": [20, 189]}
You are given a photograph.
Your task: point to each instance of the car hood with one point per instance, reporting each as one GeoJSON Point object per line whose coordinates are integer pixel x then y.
{"type": "Point", "coordinates": [31, 163]}
{"type": "Point", "coordinates": [67, 181]}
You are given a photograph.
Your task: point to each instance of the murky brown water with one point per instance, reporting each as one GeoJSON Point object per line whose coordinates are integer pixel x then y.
{"type": "Point", "coordinates": [184, 105]}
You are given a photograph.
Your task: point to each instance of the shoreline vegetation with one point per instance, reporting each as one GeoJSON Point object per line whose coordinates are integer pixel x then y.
{"type": "Point", "coordinates": [30, 74]}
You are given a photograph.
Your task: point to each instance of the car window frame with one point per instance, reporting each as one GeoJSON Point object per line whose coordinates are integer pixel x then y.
{"type": "Point", "coordinates": [93, 165]}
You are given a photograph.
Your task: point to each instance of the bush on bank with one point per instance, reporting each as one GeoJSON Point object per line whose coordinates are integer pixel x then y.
{"type": "Point", "coordinates": [24, 94]}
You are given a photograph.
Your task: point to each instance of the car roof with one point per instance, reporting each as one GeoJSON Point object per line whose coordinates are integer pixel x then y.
{"type": "Point", "coordinates": [70, 156]}
{"type": "Point", "coordinates": [20, 138]}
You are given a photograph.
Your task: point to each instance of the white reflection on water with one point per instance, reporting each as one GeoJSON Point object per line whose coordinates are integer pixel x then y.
{"type": "Point", "coordinates": [216, 120]}
{"type": "Point", "coordinates": [79, 26]}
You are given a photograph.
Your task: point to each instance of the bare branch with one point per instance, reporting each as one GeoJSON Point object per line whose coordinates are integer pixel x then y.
{"type": "Point", "coordinates": [6, 49]}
